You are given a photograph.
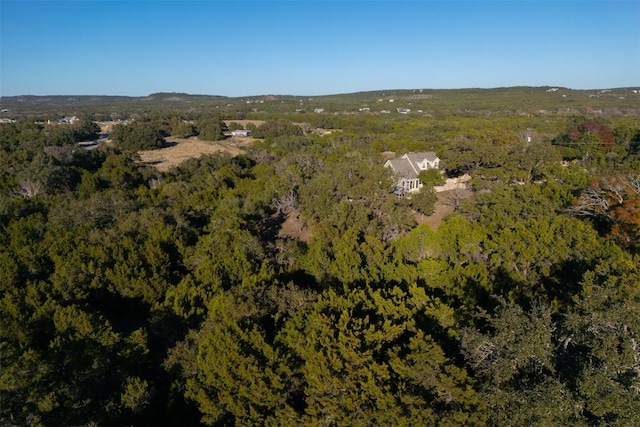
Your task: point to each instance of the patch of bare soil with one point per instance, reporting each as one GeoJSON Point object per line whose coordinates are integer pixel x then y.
{"type": "Point", "coordinates": [244, 123]}
{"type": "Point", "coordinates": [293, 228]}
{"type": "Point", "coordinates": [433, 220]}
{"type": "Point", "coordinates": [445, 205]}
{"type": "Point", "coordinates": [178, 150]}
{"type": "Point", "coordinates": [323, 132]}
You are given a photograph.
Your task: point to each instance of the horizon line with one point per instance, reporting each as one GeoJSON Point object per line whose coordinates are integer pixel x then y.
{"type": "Point", "coordinates": [317, 95]}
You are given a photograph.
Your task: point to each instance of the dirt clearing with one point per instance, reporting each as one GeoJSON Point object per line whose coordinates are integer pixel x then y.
{"type": "Point", "coordinates": [445, 204]}
{"type": "Point", "coordinates": [244, 123]}
{"type": "Point", "coordinates": [178, 150]}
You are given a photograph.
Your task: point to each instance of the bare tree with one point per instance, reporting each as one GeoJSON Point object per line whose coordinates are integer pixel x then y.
{"type": "Point", "coordinates": [634, 183]}
{"type": "Point", "coordinates": [306, 128]}
{"type": "Point", "coordinates": [28, 188]}
{"type": "Point", "coordinates": [453, 198]}
{"type": "Point", "coordinates": [592, 202]}
{"type": "Point", "coordinates": [286, 203]}
{"type": "Point", "coordinates": [155, 181]}
{"type": "Point", "coordinates": [600, 198]}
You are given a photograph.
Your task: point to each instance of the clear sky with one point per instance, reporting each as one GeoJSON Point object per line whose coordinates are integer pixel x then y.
{"type": "Point", "coordinates": [241, 48]}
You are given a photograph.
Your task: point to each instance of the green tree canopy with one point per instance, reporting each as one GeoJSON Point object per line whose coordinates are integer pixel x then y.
{"type": "Point", "coordinates": [137, 136]}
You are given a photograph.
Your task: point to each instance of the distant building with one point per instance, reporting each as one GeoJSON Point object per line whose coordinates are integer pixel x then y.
{"type": "Point", "coordinates": [69, 120]}
{"type": "Point", "coordinates": [242, 133]}
{"type": "Point", "coordinates": [407, 168]}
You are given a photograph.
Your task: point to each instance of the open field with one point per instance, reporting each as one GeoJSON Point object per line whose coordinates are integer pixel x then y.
{"type": "Point", "coordinates": [244, 123]}
{"type": "Point", "coordinates": [179, 150]}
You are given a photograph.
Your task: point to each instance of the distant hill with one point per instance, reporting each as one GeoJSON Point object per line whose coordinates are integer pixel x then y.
{"type": "Point", "coordinates": [434, 101]}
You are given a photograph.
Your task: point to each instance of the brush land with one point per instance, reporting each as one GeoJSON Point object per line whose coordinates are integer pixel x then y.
{"type": "Point", "coordinates": [200, 260]}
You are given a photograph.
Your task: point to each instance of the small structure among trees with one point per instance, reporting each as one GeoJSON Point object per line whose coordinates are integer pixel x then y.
{"type": "Point", "coordinates": [408, 168]}
{"type": "Point", "coordinates": [241, 133]}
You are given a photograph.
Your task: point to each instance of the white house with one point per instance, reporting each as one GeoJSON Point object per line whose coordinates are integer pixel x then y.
{"type": "Point", "coordinates": [407, 168]}
{"type": "Point", "coordinates": [242, 133]}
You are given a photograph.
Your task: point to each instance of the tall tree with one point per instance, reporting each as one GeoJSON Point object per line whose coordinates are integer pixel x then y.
{"type": "Point", "coordinates": [210, 128]}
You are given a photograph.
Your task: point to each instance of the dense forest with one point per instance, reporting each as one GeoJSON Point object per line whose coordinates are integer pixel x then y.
{"type": "Point", "coordinates": [130, 296]}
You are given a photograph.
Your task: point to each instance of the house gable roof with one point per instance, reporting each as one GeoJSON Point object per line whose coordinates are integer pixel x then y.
{"type": "Point", "coordinates": [403, 168]}
{"type": "Point", "coordinates": [419, 157]}
{"type": "Point", "coordinates": [407, 165]}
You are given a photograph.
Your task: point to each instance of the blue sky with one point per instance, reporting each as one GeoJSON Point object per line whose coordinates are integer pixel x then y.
{"type": "Point", "coordinates": [241, 48]}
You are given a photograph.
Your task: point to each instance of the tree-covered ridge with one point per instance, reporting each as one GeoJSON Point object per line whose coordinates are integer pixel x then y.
{"type": "Point", "coordinates": [134, 297]}
{"type": "Point", "coordinates": [510, 101]}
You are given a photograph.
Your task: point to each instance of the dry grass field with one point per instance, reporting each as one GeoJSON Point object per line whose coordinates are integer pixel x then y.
{"type": "Point", "coordinates": [179, 150]}
{"type": "Point", "coordinates": [244, 123]}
